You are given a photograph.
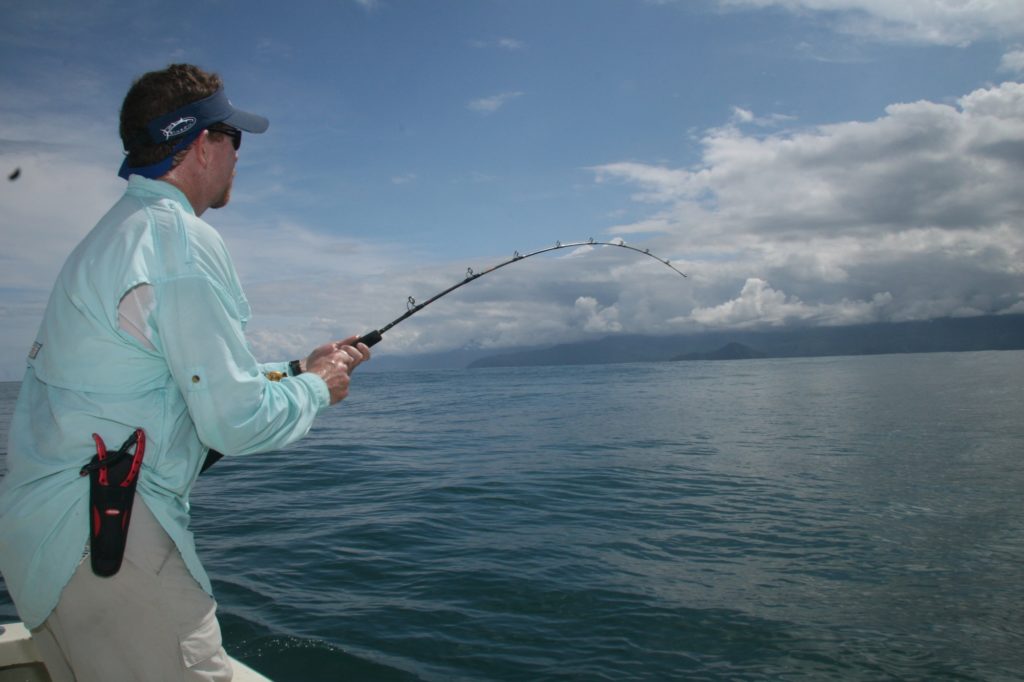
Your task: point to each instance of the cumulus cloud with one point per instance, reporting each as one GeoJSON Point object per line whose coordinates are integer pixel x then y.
{"type": "Point", "coordinates": [758, 304]}
{"type": "Point", "coordinates": [940, 22]}
{"type": "Point", "coordinates": [66, 182]}
{"type": "Point", "coordinates": [595, 318]}
{"type": "Point", "coordinates": [923, 164]}
{"type": "Point", "coordinates": [39, 231]}
{"type": "Point", "coordinates": [918, 209]}
{"type": "Point", "coordinates": [1012, 61]}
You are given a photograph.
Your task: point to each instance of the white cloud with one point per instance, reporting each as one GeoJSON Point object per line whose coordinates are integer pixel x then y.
{"type": "Point", "coordinates": [39, 228]}
{"type": "Point", "coordinates": [920, 206]}
{"type": "Point", "coordinates": [596, 319]}
{"type": "Point", "coordinates": [921, 165]}
{"type": "Point", "coordinates": [940, 22]}
{"type": "Point", "coordinates": [67, 180]}
{"type": "Point", "coordinates": [742, 116]}
{"type": "Point", "coordinates": [758, 304]}
{"type": "Point", "coordinates": [1012, 61]}
{"type": "Point", "coordinates": [658, 184]}
{"type": "Point", "coordinates": [488, 105]}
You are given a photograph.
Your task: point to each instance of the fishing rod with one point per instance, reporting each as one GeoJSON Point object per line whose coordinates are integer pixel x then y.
{"type": "Point", "coordinates": [413, 307]}
{"type": "Point", "coordinates": [373, 337]}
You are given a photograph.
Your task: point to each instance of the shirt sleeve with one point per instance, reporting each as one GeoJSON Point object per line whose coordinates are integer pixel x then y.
{"type": "Point", "coordinates": [236, 409]}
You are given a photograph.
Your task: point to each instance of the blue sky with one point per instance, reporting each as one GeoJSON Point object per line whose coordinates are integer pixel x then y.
{"type": "Point", "coordinates": [808, 162]}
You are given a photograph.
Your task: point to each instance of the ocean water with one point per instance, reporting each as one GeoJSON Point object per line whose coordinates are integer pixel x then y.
{"type": "Point", "coordinates": [853, 518]}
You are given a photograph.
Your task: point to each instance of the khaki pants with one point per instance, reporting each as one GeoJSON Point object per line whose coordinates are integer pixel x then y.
{"type": "Point", "coordinates": [149, 622]}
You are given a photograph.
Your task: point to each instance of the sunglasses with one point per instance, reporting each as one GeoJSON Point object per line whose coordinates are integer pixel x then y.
{"type": "Point", "coordinates": [234, 133]}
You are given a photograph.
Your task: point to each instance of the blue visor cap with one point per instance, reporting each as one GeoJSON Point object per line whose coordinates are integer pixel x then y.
{"type": "Point", "coordinates": [182, 126]}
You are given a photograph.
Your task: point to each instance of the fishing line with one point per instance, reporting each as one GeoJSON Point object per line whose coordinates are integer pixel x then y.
{"type": "Point", "coordinates": [412, 307]}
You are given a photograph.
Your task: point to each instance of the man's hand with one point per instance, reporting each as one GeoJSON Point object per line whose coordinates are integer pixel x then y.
{"type": "Point", "coordinates": [333, 362]}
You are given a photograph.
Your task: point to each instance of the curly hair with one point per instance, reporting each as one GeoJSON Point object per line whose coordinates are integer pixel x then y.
{"type": "Point", "coordinates": [154, 94]}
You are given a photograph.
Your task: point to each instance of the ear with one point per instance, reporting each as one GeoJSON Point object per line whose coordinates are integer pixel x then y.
{"type": "Point", "coordinates": [202, 148]}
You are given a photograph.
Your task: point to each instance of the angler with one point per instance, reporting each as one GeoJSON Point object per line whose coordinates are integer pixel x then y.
{"type": "Point", "coordinates": [143, 342]}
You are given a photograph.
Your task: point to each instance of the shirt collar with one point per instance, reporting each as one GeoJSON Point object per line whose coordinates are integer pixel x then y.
{"type": "Point", "coordinates": [139, 185]}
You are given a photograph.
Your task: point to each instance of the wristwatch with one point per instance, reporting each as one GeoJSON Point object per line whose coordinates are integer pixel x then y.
{"type": "Point", "coordinates": [295, 368]}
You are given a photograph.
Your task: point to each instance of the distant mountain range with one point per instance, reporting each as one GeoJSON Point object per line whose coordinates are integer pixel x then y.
{"type": "Point", "coordinates": [996, 332]}
{"type": "Point", "coordinates": [730, 351]}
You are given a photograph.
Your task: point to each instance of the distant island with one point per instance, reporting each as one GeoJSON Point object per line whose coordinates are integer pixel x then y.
{"type": "Point", "coordinates": [730, 351]}
{"type": "Point", "coordinates": [991, 332]}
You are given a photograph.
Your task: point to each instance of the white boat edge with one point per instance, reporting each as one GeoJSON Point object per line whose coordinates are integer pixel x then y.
{"type": "Point", "coordinates": [19, 659]}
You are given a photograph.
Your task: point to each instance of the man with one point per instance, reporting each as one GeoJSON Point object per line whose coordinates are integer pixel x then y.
{"type": "Point", "coordinates": [144, 334]}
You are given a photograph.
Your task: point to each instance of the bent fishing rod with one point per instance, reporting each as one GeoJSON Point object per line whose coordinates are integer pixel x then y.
{"type": "Point", "coordinates": [413, 307]}
{"type": "Point", "coordinates": [371, 338]}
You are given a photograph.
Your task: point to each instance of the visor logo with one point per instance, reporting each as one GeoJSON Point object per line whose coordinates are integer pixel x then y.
{"type": "Point", "coordinates": [179, 127]}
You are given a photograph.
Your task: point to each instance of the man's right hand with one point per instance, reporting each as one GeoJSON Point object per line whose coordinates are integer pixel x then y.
{"type": "Point", "coordinates": [333, 362]}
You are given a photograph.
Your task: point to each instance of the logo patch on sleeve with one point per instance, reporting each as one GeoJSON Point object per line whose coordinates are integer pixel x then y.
{"type": "Point", "coordinates": [36, 347]}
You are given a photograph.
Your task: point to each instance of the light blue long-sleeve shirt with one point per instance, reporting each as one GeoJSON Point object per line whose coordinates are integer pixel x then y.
{"type": "Point", "coordinates": [195, 386]}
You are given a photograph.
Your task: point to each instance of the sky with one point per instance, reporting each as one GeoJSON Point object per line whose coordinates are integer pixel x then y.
{"type": "Point", "coordinates": [805, 162]}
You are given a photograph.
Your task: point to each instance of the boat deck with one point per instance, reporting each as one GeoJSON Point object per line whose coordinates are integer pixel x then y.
{"type": "Point", "coordinates": [20, 661]}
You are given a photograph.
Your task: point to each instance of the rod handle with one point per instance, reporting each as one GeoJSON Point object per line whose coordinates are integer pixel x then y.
{"type": "Point", "coordinates": [370, 338]}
